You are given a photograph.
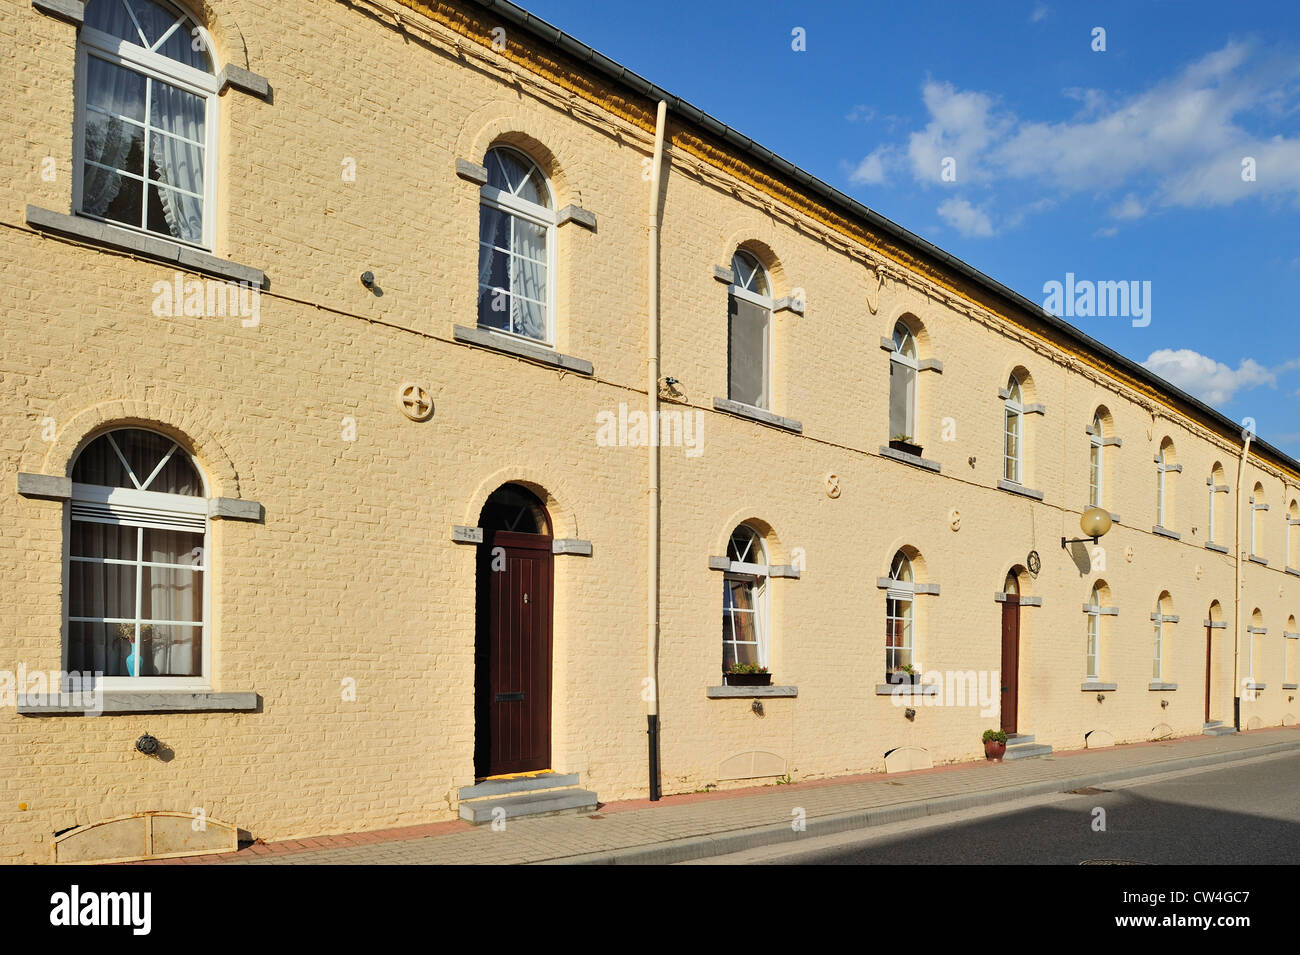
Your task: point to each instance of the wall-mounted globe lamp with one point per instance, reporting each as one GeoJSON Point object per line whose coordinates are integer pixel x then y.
{"type": "Point", "coordinates": [1094, 522]}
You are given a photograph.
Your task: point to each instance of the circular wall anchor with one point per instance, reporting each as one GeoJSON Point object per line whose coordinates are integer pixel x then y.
{"type": "Point", "coordinates": [147, 744]}
{"type": "Point", "coordinates": [1198, 572]}
{"type": "Point", "coordinates": [1034, 562]}
{"type": "Point", "coordinates": [414, 401]}
{"type": "Point", "coordinates": [1128, 553]}
{"type": "Point", "coordinates": [954, 519]}
{"type": "Point", "coordinates": [832, 485]}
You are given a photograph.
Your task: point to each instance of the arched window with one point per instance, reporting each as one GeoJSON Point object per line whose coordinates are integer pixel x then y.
{"type": "Point", "coordinates": [1160, 618]}
{"type": "Point", "coordinates": [138, 563]}
{"type": "Point", "coordinates": [1218, 510]}
{"type": "Point", "coordinates": [516, 255]}
{"type": "Point", "coordinates": [1257, 504]}
{"type": "Point", "coordinates": [1092, 653]}
{"type": "Point", "coordinates": [902, 386]}
{"type": "Point", "coordinates": [1096, 473]}
{"type": "Point", "coordinates": [146, 120]}
{"type": "Point", "coordinates": [1013, 452]}
{"type": "Point", "coordinates": [1166, 469]}
{"type": "Point", "coordinates": [749, 333]}
{"type": "Point", "coordinates": [900, 621]}
{"type": "Point", "coordinates": [744, 601]}
{"type": "Point", "coordinates": [1292, 537]}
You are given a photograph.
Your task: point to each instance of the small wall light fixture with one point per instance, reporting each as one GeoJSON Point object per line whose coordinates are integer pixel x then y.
{"type": "Point", "coordinates": [1094, 522]}
{"type": "Point", "coordinates": [147, 744]}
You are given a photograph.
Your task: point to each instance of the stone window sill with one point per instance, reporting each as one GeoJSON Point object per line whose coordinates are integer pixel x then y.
{"type": "Point", "coordinates": [520, 349]}
{"type": "Point", "coordinates": [750, 692]}
{"type": "Point", "coordinates": [742, 410]}
{"type": "Point", "coordinates": [1166, 532]}
{"type": "Point", "coordinates": [913, 459]}
{"type": "Point", "coordinates": [1257, 560]}
{"type": "Point", "coordinates": [1217, 548]}
{"type": "Point", "coordinates": [1157, 686]}
{"type": "Point", "coordinates": [151, 247]}
{"type": "Point", "coordinates": [1092, 686]}
{"type": "Point", "coordinates": [907, 689]}
{"type": "Point", "coordinates": [1013, 488]}
{"type": "Point", "coordinates": [162, 701]}
{"type": "Point", "coordinates": [1291, 686]}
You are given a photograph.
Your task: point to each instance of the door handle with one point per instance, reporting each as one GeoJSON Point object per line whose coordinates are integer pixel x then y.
{"type": "Point", "coordinates": [510, 697]}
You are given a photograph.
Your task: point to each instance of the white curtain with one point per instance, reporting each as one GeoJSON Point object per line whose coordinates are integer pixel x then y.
{"type": "Point", "coordinates": [527, 278]}
{"type": "Point", "coordinates": [172, 593]}
{"type": "Point", "coordinates": [109, 140]}
{"type": "Point", "coordinates": [176, 162]}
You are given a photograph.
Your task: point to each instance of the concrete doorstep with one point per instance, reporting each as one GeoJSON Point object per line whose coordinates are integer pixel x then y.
{"type": "Point", "coordinates": [723, 843]}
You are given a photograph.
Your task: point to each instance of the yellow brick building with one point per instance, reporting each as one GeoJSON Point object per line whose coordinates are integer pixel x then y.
{"type": "Point", "coordinates": [349, 510]}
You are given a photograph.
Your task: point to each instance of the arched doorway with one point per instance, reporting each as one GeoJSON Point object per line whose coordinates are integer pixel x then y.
{"type": "Point", "coordinates": [1010, 652]}
{"type": "Point", "coordinates": [512, 649]}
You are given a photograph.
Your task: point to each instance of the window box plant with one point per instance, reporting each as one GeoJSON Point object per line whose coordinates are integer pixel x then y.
{"type": "Point", "coordinates": [903, 442]}
{"type": "Point", "coordinates": [905, 674]}
{"type": "Point", "coordinates": [995, 745]}
{"type": "Point", "coordinates": [746, 674]}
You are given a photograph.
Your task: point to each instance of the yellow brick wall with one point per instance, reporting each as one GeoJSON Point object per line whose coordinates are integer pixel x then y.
{"type": "Point", "coordinates": [353, 572]}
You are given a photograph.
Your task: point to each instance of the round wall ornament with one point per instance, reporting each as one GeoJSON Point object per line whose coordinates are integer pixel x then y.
{"type": "Point", "coordinates": [1034, 562]}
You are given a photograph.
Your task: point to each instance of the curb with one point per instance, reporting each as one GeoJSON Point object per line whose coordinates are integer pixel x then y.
{"type": "Point", "coordinates": [702, 847]}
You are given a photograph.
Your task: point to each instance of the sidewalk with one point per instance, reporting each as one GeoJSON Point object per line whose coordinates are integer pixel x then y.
{"type": "Point", "coordinates": [679, 828]}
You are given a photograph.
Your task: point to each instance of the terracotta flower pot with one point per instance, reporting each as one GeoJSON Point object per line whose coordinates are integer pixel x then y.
{"type": "Point", "coordinates": [993, 750]}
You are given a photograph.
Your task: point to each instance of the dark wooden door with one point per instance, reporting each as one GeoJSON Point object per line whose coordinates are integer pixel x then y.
{"type": "Point", "coordinates": [512, 732]}
{"type": "Point", "coordinates": [1010, 661]}
{"type": "Point", "coordinates": [1209, 642]}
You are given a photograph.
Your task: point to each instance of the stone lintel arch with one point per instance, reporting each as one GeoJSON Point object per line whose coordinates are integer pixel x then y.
{"type": "Point", "coordinates": [776, 550]}
{"type": "Point", "coordinates": [228, 40]}
{"type": "Point", "coordinates": [757, 237]}
{"type": "Point", "coordinates": [921, 571]}
{"type": "Point", "coordinates": [1028, 389]}
{"type": "Point", "coordinates": [185, 427]}
{"type": "Point", "coordinates": [919, 321]}
{"type": "Point", "coordinates": [520, 126]}
{"type": "Point", "coordinates": [564, 522]}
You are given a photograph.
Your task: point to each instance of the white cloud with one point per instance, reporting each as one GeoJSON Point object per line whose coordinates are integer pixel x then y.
{"type": "Point", "coordinates": [965, 218]}
{"type": "Point", "coordinates": [1181, 142]}
{"type": "Point", "coordinates": [1039, 13]}
{"type": "Point", "coordinates": [1130, 208]}
{"type": "Point", "coordinates": [871, 171]}
{"type": "Point", "coordinates": [1211, 381]}
{"type": "Point", "coordinates": [860, 114]}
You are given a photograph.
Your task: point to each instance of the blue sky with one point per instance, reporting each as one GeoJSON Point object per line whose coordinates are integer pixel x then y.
{"type": "Point", "coordinates": [1115, 165]}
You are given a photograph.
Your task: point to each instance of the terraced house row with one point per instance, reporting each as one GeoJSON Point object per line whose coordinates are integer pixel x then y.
{"type": "Point", "coordinates": [391, 390]}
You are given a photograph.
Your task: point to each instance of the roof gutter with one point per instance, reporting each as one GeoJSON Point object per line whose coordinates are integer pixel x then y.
{"type": "Point", "coordinates": [691, 114]}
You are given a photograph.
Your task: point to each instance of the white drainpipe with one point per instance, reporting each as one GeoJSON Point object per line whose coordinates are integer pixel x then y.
{"type": "Point", "coordinates": [652, 395]}
{"type": "Point", "coordinates": [1236, 587]}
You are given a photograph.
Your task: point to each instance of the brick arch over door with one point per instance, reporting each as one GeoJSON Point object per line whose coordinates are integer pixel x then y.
{"type": "Point", "coordinates": [564, 522]}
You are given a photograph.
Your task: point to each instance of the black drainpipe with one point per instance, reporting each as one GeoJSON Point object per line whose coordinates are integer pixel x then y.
{"type": "Point", "coordinates": [653, 720]}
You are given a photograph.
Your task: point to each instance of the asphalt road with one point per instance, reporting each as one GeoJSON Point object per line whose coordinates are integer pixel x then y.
{"type": "Point", "coordinates": [1245, 813]}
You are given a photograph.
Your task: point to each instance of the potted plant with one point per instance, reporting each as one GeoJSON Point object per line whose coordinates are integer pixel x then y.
{"type": "Point", "coordinates": [747, 674]}
{"type": "Point", "coordinates": [903, 442]}
{"type": "Point", "coordinates": [995, 745]}
{"type": "Point", "coordinates": [905, 674]}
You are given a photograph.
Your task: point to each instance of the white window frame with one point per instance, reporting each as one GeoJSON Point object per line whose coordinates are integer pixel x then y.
{"type": "Point", "coordinates": [756, 574]}
{"type": "Point", "coordinates": [902, 592]}
{"type": "Point", "coordinates": [1014, 411]}
{"type": "Point", "coordinates": [1159, 619]}
{"type": "Point", "coordinates": [132, 508]}
{"type": "Point", "coordinates": [1254, 511]}
{"type": "Point", "coordinates": [137, 59]}
{"type": "Point", "coordinates": [1097, 463]}
{"type": "Point", "coordinates": [1291, 522]}
{"type": "Point", "coordinates": [767, 302]}
{"type": "Point", "coordinates": [1092, 649]}
{"type": "Point", "coordinates": [913, 364]}
{"type": "Point", "coordinates": [1162, 468]}
{"type": "Point", "coordinates": [512, 205]}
